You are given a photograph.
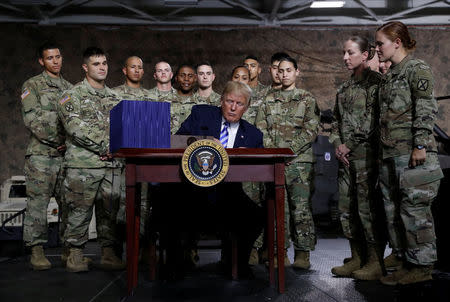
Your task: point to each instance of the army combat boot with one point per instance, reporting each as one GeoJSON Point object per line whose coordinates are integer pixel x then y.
{"type": "Point", "coordinates": [353, 264]}
{"type": "Point", "coordinates": [301, 260]}
{"type": "Point", "coordinates": [109, 260]}
{"type": "Point", "coordinates": [393, 278]}
{"type": "Point", "coordinates": [372, 269]}
{"type": "Point", "coordinates": [254, 257]}
{"type": "Point", "coordinates": [392, 262]}
{"type": "Point", "coordinates": [38, 261]}
{"type": "Point", "coordinates": [75, 262]}
{"type": "Point", "coordinates": [417, 273]}
{"type": "Point", "coordinates": [65, 254]}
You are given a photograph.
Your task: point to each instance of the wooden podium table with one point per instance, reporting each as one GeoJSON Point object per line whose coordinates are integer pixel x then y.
{"type": "Point", "coordinates": [164, 165]}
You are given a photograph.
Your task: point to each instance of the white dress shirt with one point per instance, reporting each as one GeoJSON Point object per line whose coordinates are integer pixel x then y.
{"type": "Point", "coordinates": [232, 131]}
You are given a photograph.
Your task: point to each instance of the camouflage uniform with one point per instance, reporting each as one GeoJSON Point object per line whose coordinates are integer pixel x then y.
{"type": "Point", "coordinates": [355, 125]}
{"type": "Point", "coordinates": [407, 115]}
{"type": "Point", "coordinates": [162, 96]}
{"type": "Point", "coordinates": [180, 109]}
{"type": "Point", "coordinates": [290, 119]}
{"type": "Point", "coordinates": [134, 94]}
{"type": "Point", "coordinates": [84, 112]}
{"type": "Point", "coordinates": [213, 99]}
{"type": "Point", "coordinates": [43, 172]}
{"type": "Point", "coordinates": [257, 98]}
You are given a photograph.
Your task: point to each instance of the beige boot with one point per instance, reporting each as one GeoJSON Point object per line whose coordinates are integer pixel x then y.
{"type": "Point", "coordinates": [301, 260]}
{"type": "Point", "coordinates": [38, 261]}
{"type": "Point", "coordinates": [348, 268]}
{"type": "Point", "coordinates": [287, 263]}
{"type": "Point", "coordinates": [109, 260]}
{"type": "Point", "coordinates": [418, 273]}
{"type": "Point", "coordinates": [65, 254]}
{"type": "Point", "coordinates": [392, 279]}
{"type": "Point", "coordinates": [254, 257]}
{"type": "Point", "coordinates": [372, 269]}
{"type": "Point", "coordinates": [75, 262]}
{"type": "Point", "coordinates": [392, 262]}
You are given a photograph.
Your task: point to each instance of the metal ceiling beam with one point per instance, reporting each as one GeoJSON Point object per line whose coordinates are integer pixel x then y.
{"type": "Point", "coordinates": [135, 10]}
{"type": "Point", "coordinates": [178, 10]}
{"type": "Point", "coordinates": [368, 10]}
{"type": "Point", "coordinates": [275, 8]}
{"type": "Point", "coordinates": [295, 10]}
{"type": "Point", "coordinates": [11, 7]}
{"type": "Point", "coordinates": [247, 8]}
{"type": "Point", "coordinates": [411, 10]}
{"type": "Point", "coordinates": [66, 4]}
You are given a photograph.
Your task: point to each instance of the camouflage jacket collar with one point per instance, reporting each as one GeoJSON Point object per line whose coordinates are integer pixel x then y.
{"type": "Point", "coordinates": [98, 92]}
{"type": "Point", "coordinates": [164, 93]}
{"type": "Point", "coordinates": [53, 82]}
{"type": "Point", "coordinates": [361, 77]}
{"type": "Point", "coordinates": [285, 95]}
{"type": "Point", "coordinates": [396, 69]}
{"type": "Point", "coordinates": [130, 89]}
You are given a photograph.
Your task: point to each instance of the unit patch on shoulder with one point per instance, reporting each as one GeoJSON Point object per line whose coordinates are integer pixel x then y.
{"type": "Point", "coordinates": [69, 107]}
{"type": "Point", "coordinates": [422, 84]}
{"type": "Point", "coordinates": [24, 94]}
{"type": "Point", "coordinates": [64, 100]}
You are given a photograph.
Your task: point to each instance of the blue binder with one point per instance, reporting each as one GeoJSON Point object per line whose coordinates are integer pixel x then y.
{"type": "Point", "coordinates": [139, 124]}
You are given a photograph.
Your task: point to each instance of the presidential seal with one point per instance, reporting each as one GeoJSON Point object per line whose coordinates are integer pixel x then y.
{"type": "Point", "coordinates": [205, 163]}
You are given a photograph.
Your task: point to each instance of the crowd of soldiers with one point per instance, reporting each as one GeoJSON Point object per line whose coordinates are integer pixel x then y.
{"type": "Point", "coordinates": [382, 133]}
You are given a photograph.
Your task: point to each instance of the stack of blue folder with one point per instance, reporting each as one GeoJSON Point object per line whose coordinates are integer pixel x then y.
{"type": "Point", "coordinates": [140, 124]}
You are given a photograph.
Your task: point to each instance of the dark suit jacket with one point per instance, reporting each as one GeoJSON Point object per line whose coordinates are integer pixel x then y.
{"type": "Point", "coordinates": [206, 120]}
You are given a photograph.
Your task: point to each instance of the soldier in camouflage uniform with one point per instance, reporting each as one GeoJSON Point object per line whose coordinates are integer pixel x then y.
{"type": "Point", "coordinates": [258, 89]}
{"type": "Point", "coordinates": [92, 175]}
{"type": "Point", "coordinates": [163, 91]}
{"type": "Point", "coordinates": [180, 107]}
{"type": "Point", "coordinates": [205, 78]}
{"type": "Point", "coordinates": [410, 172]}
{"type": "Point", "coordinates": [354, 135]}
{"type": "Point", "coordinates": [255, 190]}
{"type": "Point", "coordinates": [241, 74]}
{"type": "Point", "coordinates": [43, 158]}
{"type": "Point", "coordinates": [289, 118]}
{"type": "Point", "coordinates": [132, 89]}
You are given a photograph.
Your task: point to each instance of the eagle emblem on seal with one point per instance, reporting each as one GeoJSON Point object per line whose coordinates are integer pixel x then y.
{"type": "Point", "coordinates": [205, 160]}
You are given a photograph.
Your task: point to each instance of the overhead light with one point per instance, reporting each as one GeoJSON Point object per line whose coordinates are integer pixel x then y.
{"type": "Point", "coordinates": [327, 4]}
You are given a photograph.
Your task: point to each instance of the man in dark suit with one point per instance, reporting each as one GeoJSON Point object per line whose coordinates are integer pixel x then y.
{"type": "Point", "coordinates": [225, 207]}
{"type": "Point", "coordinates": [210, 120]}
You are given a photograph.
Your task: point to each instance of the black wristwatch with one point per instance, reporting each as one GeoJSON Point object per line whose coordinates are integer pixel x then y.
{"type": "Point", "coordinates": [420, 147]}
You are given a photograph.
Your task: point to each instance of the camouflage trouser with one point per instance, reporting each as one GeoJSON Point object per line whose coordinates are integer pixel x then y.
{"type": "Point", "coordinates": [43, 176]}
{"type": "Point", "coordinates": [407, 195]}
{"type": "Point", "coordinates": [255, 190]}
{"type": "Point", "coordinates": [84, 188]}
{"type": "Point", "coordinates": [357, 201]}
{"type": "Point", "coordinates": [299, 185]}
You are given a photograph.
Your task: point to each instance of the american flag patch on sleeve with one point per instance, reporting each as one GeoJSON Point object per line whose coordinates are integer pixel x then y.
{"type": "Point", "coordinates": [25, 94]}
{"type": "Point", "coordinates": [64, 100]}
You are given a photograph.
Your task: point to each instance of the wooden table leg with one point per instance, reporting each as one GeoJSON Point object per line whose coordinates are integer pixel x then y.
{"type": "Point", "coordinates": [271, 234]}
{"type": "Point", "coordinates": [279, 210]}
{"type": "Point", "coordinates": [132, 244]}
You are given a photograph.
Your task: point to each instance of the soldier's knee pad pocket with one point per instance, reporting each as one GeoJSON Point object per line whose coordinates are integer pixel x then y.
{"type": "Point", "coordinates": [419, 176]}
